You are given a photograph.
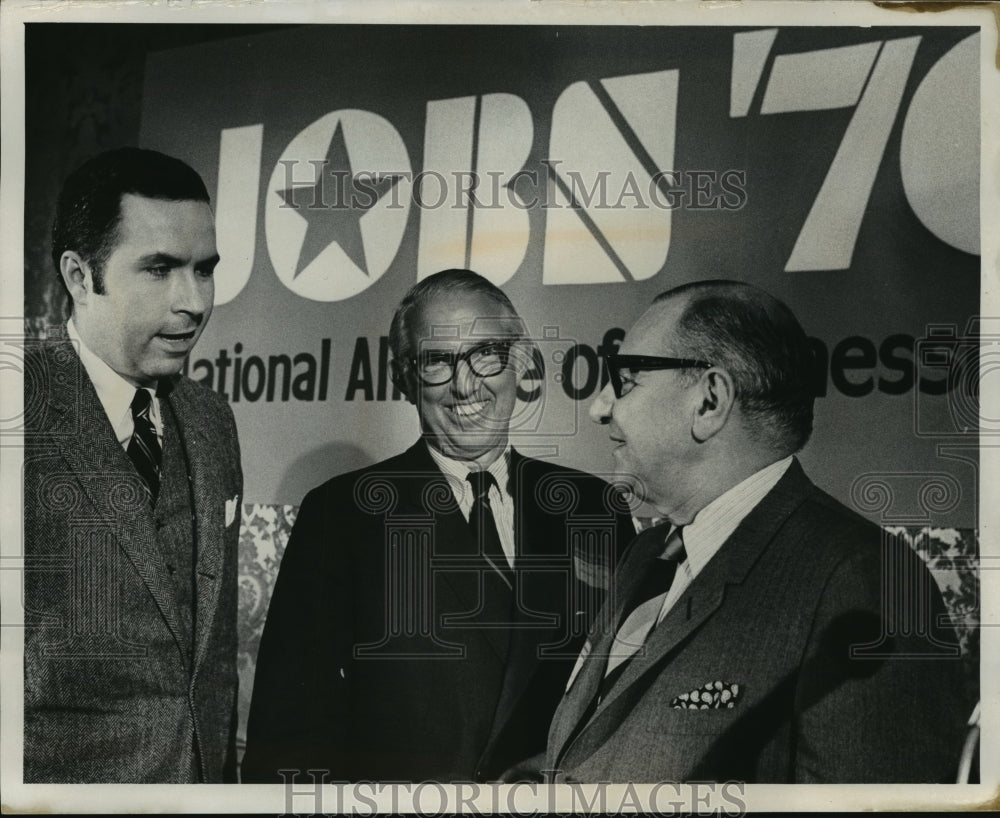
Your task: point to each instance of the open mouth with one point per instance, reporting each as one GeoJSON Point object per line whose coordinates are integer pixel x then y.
{"type": "Point", "coordinates": [177, 337]}
{"type": "Point", "coordinates": [469, 408]}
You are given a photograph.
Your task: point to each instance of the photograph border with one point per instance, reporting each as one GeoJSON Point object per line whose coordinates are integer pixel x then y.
{"type": "Point", "coordinates": [19, 797]}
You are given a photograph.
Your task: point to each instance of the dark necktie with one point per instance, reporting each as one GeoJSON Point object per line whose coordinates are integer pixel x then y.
{"type": "Point", "coordinates": [640, 616]}
{"type": "Point", "coordinates": [144, 448]}
{"type": "Point", "coordinates": [484, 525]}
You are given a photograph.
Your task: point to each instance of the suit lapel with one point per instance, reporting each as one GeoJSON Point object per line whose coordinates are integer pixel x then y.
{"type": "Point", "coordinates": [703, 598]}
{"type": "Point", "coordinates": [541, 605]}
{"type": "Point", "coordinates": [729, 566]}
{"type": "Point", "coordinates": [434, 499]}
{"type": "Point", "coordinates": [87, 442]}
{"type": "Point", "coordinates": [205, 478]}
{"type": "Point", "coordinates": [583, 689]}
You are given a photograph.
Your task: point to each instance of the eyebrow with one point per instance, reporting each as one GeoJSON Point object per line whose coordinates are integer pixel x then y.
{"type": "Point", "coordinates": [174, 261]}
{"type": "Point", "coordinates": [460, 345]}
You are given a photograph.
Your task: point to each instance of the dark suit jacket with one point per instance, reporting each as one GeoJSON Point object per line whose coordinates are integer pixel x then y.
{"type": "Point", "coordinates": [111, 693]}
{"type": "Point", "coordinates": [378, 660]}
{"type": "Point", "coordinates": [778, 610]}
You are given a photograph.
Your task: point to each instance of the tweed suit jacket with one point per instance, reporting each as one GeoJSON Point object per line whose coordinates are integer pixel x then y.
{"type": "Point", "coordinates": [116, 688]}
{"type": "Point", "coordinates": [380, 659]}
{"type": "Point", "coordinates": [769, 625]}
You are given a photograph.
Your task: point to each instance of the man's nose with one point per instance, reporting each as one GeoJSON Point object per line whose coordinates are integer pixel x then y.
{"type": "Point", "coordinates": [464, 380]}
{"type": "Point", "coordinates": [600, 409]}
{"type": "Point", "coordinates": [192, 293]}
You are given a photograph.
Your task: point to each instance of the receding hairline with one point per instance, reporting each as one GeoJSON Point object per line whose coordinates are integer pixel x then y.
{"type": "Point", "coordinates": [142, 197]}
{"type": "Point", "coordinates": [115, 236]}
{"type": "Point", "coordinates": [457, 300]}
{"type": "Point", "coordinates": [414, 304]}
{"type": "Point", "coordinates": [697, 292]}
{"type": "Point", "coordinates": [656, 325]}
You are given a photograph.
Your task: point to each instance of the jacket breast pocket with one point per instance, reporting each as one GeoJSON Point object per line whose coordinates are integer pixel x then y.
{"type": "Point", "coordinates": [671, 721]}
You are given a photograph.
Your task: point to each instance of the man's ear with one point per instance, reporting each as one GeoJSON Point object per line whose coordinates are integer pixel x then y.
{"type": "Point", "coordinates": [77, 275]}
{"type": "Point", "coordinates": [716, 396]}
{"type": "Point", "coordinates": [399, 378]}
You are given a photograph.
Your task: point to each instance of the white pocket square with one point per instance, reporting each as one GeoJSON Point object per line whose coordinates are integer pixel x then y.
{"type": "Point", "coordinates": [231, 509]}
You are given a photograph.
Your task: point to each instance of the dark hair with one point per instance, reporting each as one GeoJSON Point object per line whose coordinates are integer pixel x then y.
{"type": "Point", "coordinates": [759, 342]}
{"type": "Point", "coordinates": [446, 282]}
{"type": "Point", "coordinates": [88, 211]}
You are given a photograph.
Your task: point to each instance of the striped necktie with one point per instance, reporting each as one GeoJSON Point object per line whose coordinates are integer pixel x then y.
{"type": "Point", "coordinates": [644, 609]}
{"type": "Point", "coordinates": [144, 447]}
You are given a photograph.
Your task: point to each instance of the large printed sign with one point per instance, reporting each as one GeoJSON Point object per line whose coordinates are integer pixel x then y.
{"type": "Point", "coordinates": [585, 170]}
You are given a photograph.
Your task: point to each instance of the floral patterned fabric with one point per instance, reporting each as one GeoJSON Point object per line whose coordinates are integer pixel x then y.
{"type": "Point", "coordinates": [951, 554]}
{"type": "Point", "coordinates": [264, 532]}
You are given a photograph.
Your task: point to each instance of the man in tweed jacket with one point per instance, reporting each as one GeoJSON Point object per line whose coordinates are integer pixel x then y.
{"type": "Point", "coordinates": [130, 558]}
{"type": "Point", "coordinates": [786, 642]}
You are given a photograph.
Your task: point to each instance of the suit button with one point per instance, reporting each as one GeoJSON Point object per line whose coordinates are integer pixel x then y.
{"type": "Point", "coordinates": [480, 778]}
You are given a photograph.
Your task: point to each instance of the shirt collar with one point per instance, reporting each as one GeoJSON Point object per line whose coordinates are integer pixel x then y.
{"type": "Point", "coordinates": [713, 525]}
{"type": "Point", "coordinates": [458, 470]}
{"type": "Point", "coordinates": [114, 392]}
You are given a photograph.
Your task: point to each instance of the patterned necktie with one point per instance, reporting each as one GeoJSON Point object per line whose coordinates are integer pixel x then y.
{"type": "Point", "coordinates": [484, 526]}
{"type": "Point", "coordinates": [644, 609]}
{"type": "Point", "coordinates": [144, 447]}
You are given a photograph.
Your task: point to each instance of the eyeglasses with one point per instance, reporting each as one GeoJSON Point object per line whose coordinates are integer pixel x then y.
{"type": "Point", "coordinates": [435, 367]}
{"type": "Point", "coordinates": [638, 363]}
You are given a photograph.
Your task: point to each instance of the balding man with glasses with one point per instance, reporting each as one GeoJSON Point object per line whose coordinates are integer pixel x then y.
{"type": "Point", "coordinates": [429, 608]}
{"type": "Point", "coordinates": [764, 633]}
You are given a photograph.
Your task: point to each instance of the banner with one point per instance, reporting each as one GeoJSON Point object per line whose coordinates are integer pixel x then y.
{"type": "Point", "coordinates": [585, 170]}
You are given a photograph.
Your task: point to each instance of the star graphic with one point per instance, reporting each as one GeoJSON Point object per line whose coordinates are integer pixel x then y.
{"type": "Point", "coordinates": [334, 205]}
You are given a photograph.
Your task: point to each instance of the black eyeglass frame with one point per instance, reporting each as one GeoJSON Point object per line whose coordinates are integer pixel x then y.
{"type": "Point", "coordinates": [646, 363]}
{"type": "Point", "coordinates": [457, 358]}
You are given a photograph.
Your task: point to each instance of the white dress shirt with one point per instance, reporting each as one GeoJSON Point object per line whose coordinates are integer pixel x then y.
{"type": "Point", "coordinates": [501, 503]}
{"type": "Point", "coordinates": [713, 525]}
{"type": "Point", "coordinates": [703, 537]}
{"type": "Point", "coordinates": [114, 392]}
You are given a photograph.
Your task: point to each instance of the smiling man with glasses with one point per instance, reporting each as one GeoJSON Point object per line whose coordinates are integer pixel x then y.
{"type": "Point", "coordinates": [765, 633]}
{"type": "Point", "coordinates": [429, 608]}
{"type": "Point", "coordinates": [459, 353]}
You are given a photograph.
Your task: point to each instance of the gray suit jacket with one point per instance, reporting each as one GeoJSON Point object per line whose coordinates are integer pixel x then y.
{"type": "Point", "coordinates": [834, 673]}
{"type": "Point", "coordinates": [112, 689]}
